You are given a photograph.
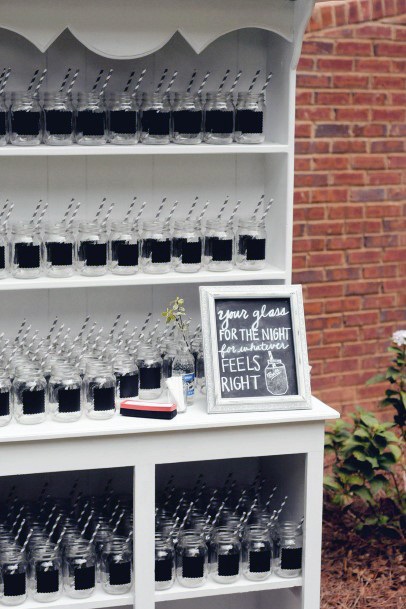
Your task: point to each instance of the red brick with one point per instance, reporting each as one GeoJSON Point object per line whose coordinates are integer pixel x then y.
{"type": "Point", "coordinates": [344, 243]}
{"type": "Point", "coordinates": [332, 130]}
{"type": "Point", "coordinates": [304, 97]}
{"type": "Point", "coordinates": [399, 66]}
{"type": "Point", "coordinates": [393, 315]}
{"type": "Point", "coordinates": [373, 31]}
{"type": "Point", "coordinates": [388, 82]}
{"type": "Point", "coordinates": [330, 195]}
{"type": "Point", "coordinates": [378, 9]}
{"type": "Point", "coordinates": [388, 114]}
{"type": "Point", "coordinates": [313, 308]}
{"type": "Point", "coordinates": [352, 303]}
{"type": "Point", "coordinates": [400, 33]}
{"type": "Point", "coordinates": [387, 146]}
{"type": "Point", "coordinates": [302, 196]}
{"type": "Point", "coordinates": [390, 49]}
{"type": "Point", "coordinates": [381, 240]}
{"type": "Point", "coordinates": [343, 274]}
{"type": "Point", "coordinates": [369, 98]}
{"type": "Point", "coordinates": [369, 130]}
{"type": "Point", "coordinates": [316, 213]}
{"type": "Point", "coordinates": [368, 194]}
{"type": "Point", "coordinates": [330, 162]}
{"type": "Point", "coordinates": [340, 365]}
{"type": "Point", "coordinates": [322, 353]}
{"type": "Point", "coordinates": [326, 259]}
{"type": "Point", "coordinates": [385, 177]}
{"type": "Point", "coordinates": [398, 99]}
{"type": "Point", "coordinates": [364, 287]}
{"type": "Point", "coordinates": [383, 211]}
{"type": "Point", "coordinates": [346, 146]}
{"type": "Point", "coordinates": [354, 49]}
{"type": "Point", "coordinates": [377, 302]}
{"type": "Point", "coordinates": [311, 179]}
{"type": "Point", "coordinates": [364, 256]}
{"type": "Point", "coordinates": [313, 113]}
{"type": "Point", "coordinates": [303, 129]}
{"type": "Point", "coordinates": [305, 63]}
{"type": "Point", "coordinates": [350, 81]}
{"type": "Point", "coordinates": [394, 255]}
{"type": "Point", "coordinates": [339, 336]}
{"type": "Point", "coordinates": [356, 178]}
{"type": "Point", "coordinates": [335, 64]}
{"type": "Point", "coordinates": [333, 98]}
{"type": "Point", "coordinates": [375, 272]}
{"type": "Point", "coordinates": [313, 80]}
{"type": "Point", "coordinates": [368, 162]}
{"type": "Point", "coordinates": [308, 245]}
{"type": "Point", "coordinates": [373, 65]}
{"type": "Point", "coordinates": [317, 47]}
{"type": "Point", "coordinates": [308, 276]}
{"type": "Point", "coordinates": [302, 164]}
{"type": "Point", "coordinates": [325, 228]}
{"type": "Point", "coordinates": [314, 147]}
{"type": "Point", "coordinates": [325, 290]}
{"type": "Point", "coordinates": [397, 161]}
{"type": "Point", "coordinates": [352, 114]}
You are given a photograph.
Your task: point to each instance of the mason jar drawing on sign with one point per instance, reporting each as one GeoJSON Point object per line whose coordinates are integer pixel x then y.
{"type": "Point", "coordinates": [275, 376]}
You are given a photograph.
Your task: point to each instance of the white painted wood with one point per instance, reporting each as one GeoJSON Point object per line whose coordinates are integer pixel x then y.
{"type": "Point", "coordinates": [98, 600]}
{"type": "Point", "coordinates": [144, 535]}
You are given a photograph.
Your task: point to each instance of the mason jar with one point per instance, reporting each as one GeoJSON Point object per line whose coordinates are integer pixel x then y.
{"type": "Point", "coordinates": [127, 377]}
{"type": "Point", "coordinates": [191, 560]}
{"type": "Point", "coordinates": [219, 118]}
{"type": "Point", "coordinates": [123, 248]}
{"type": "Point", "coordinates": [155, 119]}
{"type": "Point", "coordinates": [65, 393]}
{"type": "Point", "coordinates": [58, 119]}
{"type": "Point", "coordinates": [29, 389]}
{"type": "Point", "coordinates": [13, 576]}
{"type": "Point", "coordinates": [218, 245]}
{"type": "Point", "coordinates": [123, 119]}
{"type": "Point", "coordinates": [187, 248]}
{"type": "Point", "coordinates": [250, 244]}
{"type": "Point", "coordinates": [25, 120]}
{"type": "Point", "coordinates": [26, 259]}
{"type": "Point", "coordinates": [249, 118]}
{"type": "Point", "coordinates": [164, 562]}
{"type": "Point", "coordinates": [4, 254]}
{"type": "Point", "coordinates": [289, 548]}
{"type": "Point", "coordinates": [257, 553]}
{"type": "Point", "coordinates": [225, 556]}
{"type": "Point", "coordinates": [149, 364]}
{"type": "Point", "coordinates": [45, 574]}
{"type": "Point", "coordinates": [187, 119]}
{"type": "Point", "coordinates": [79, 569]}
{"type": "Point", "coordinates": [91, 249]}
{"type": "Point", "coordinates": [91, 119]}
{"type": "Point", "coordinates": [200, 373]}
{"type": "Point", "coordinates": [116, 568]}
{"type": "Point", "coordinates": [167, 361]}
{"type": "Point", "coordinates": [58, 250]}
{"type": "Point", "coordinates": [100, 390]}
{"type": "Point", "coordinates": [3, 121]}
{"type": "Point", "coordinates": [6, 399]}
{"type": "Point", "coordinates": [156, 247]}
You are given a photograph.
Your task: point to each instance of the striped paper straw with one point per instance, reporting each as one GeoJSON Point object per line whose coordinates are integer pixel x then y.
{"type": "Point", "coordinates": [8, 214]}
{"type": "Point", "coordinates": [36, 210]}
{"type": "Point", "coordinates": [237, 205]}
{"type": "Point", "coordinates": [118, 521]}
{"type": "Point", "coordinates": [42, 214]}
{"type": "Point", "coordinates": [259, 204]}
{"type": "Point", "coordinates": [3, 210]}
{"type": "Point", "coordinates": [97, 80]}
{"type": "Point", "coordinates": [254, 80]}
{"type": "Point", "coordinates": [272, 493]}
{"type": "Point", "coordinates": [235, 83]}
{"type": "Point", "coordinates": [33, 79]}
{"type": "Point", "coordinates": [108, 213]}
{"type": "Point", "coordinates": [73, 216]}
{"type": "Point", "coordinates": [129, 81]}
{"type": "Point", "coordinates": [170, 85]}
{"type": "Point", "coordinates": [72, 82]}
{"type": "Point", "coordinates": [154, 330]}
{"type": "Point", "coordinates": [160, 208]}
{"type": "Point", "coordinates": [123, 329]}
{"type": "Point", "coordinates": [223, 208]}
{"type": "Point", "coordinates": [67, 212]}
{"type": "Point", "coordinates": [206, 205]}
{"type": "Point", "coordinates": [223, 82]}
{"type": "Point", "coordinates": [128, 214]}
{"type": "Point", "coordinates": [96, 528]}
{"type": "Point", "coordinates": [4, 82]}
{"type": "Point", "coordinates": [266, 82]}
{"type": "Point", "coordinates": [139, 81]}
{"type": "Point", "coordinates": [99, 211]}
{"type": "Point", "coordinates": [191, 81]}
{"type": "Point", "coordinates": [192, 208]}
{"type": "Point", "coordinates": [39, 83]}
{"type": "Point", "coordinates": [174, 206]}
{"type": "Point", "coordinates": [266, 210]}
{"type": "Point", "coordinates": [138, 217]}
{"type": "Point", "coordinates": [114, 326]}
{"type": "Point", "coordinates": [103, 88]}
{"type": "Point", "coordinates": [52, 328]}
{"type": "Point", "coordinates": [200, 89]}
{"type": "Point", "coordinates": [65, 80]}
{"type": "Point", "coordinates": [2, 74]}
{"type": "Point", "coordinates": [161, 82]}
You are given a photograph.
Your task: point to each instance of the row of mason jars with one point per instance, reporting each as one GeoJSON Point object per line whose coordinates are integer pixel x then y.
{"type": "Point", "coordinates": [122, 251]}
{"type": "Point", "coordinates": [124, 119]}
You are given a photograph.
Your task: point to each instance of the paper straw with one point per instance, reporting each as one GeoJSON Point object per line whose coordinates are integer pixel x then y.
{"type": "Point", "coordinates": [23, 324]}
{"type": "Point", "coordinates": [8, 214]}
{"type": "Point", "coordinates": [192, 208]}
{"type": "Point", "coordinates": [123, 329]}
{"type": "Point", "coordinates": [206, 205]}
{"type": "Point", "coordinates": [160, 208]}
{"type": "Point", "coordinates": [139, 81]}
{"type": "Point", "coordinates": [114, 326]}
{"type": "Point", "coordinates": [82, 532]}
{"type": "Point", "coordinates": [161, 82]}
{"type": "Point", "coordinates": [59, 540]}
{"type": "Point", "coordinates": [103, 88]}
{"type": "Point", "coordinates": [99, 211]}
{"type": "Point", "coordinates": [266, 210]}
{"type": "Point", "coordinates": [203, 83]}
{"type": "Point", "coordinates": [237, 205]}
{"type": "Point", "coordinates": [65, 80]}
{"type": "Point", "coordinates": [146, 322]}
{"type": "Point", "coordinates": [168, 219]}
{"type": "Point", "coordinates": [93, 537]}
{"type": "Point", "coordinates": [106, 217]}
{"type": "Point", "coordinates": [138, 217]}
{"type": "Point", "coordinates": [187, 514]}
{"type": "Point", "coordinates": [73, 216]}
{"type": "Point", "coordinates": [36, 210]}
{"type": "Point", "coordinates": [254, 80]}
{"type": "Point", "coordinates": [97, 80]}
{"type": "Point", "coordinates": [223, 82]}
{"type": "Point", "coordinates": [42, 214]}
{"type": "Point", "coordinates": [235, 83]}
{"type": "Point", "coordinates": [4, 208]}
{"type": "Point", "coordinates": [153, 331]}
{"type": "Point", "coordinates": [258, 205]}
{"type": "Point", "coordinates": [72, 82]}
{"type": "Point", "coordinates": [33, 79]}
{"type": "Point", "coordinates": [170, 85]}
{"type": "Point", "coordinates": [4, 83]}
{"type": "Point", "coordinates": [128, 214]}
{"type": "Point", "coordinates": [52, 531]}
{"type": "Point", "coordinates": [2, 74]}
{"type": "Point", "coordinates": [20, 528]}
{"type": "Point", "coordinates": [52, 328]}
{"type": "Point", "coordinates": [268, 503]}
{"type": "Point", "coordinates": [266, 82]}
{"type": "Point", "coordinates": [191, 81]}
{"type": "Point", "coordinates": [240, 501]}
{"type": "Point", "coordinates": [67, 212]}
{"type": "Point", "coordinates": [25, 544]}
{"type": "Point", "coordinates": [129, 81]}
{"type": "Point", "coordinates": [277, 513]}
{"type": "Point", "coordinates": [210, 503]}
{"type": "Point", "coordinates": [248, 514]}
{"type": "Point", "coordinates": [223, 208]}
{"type": "Point", "coordinates": [119, 519]}
{"type": "Point", "coordinates": [39, 83]}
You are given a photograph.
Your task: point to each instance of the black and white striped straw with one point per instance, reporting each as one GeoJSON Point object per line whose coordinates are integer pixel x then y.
{"type": "Point", "coordinates": [235, 83]}
{"type": "Point", "coordinates": [170, 85]}
{"type": "Point", "coordinates": [258, 205]}
{"type": "Point", "coordinates": [192, 208]}
{"type": "Point", "coordinates": [161, 82]}
{"type": "Point", "coordinates": [266, 82]}
{"type": "Point", "coordinates": [99, 211]}
{"type": "Point", "coordinates": [130, 209]}
{"type": "Point", "coordinates": [254, 80]}
{"type": "Point", "coordinates": [33, 79]}
{"type": "Point", "coordinates": [103, 88]}
{"type": "Point", "coordinates": [4, 208]}
{"type": "Point", "coordinates": [201, 216]}
{"type": "Point", "coordinates": [2, 74]}
{"type": "Point", "coordinates": [97, 80]}
{"type": "Point", "coordinates": [129, 81]}
{"type": "Point", "coordinates": [138, 217]}
{"type": "Point", "coordinates": [36, 211]}
{"type": "Point", "coordinates": [68, 210]}
{"type": "Point", "coordinates": [39, 83]}
{"type": "Point", "coordinates": [223, 208]}
{"type": "Point", "coordinates": [4, 81]}
{"type": "Point", "coordinates": [42, 214]}
{"type": "Point", "coordinates": [65, 80]}
{"type": "Point", "coordinates": [172, 211]}
{"type": "Point", "coordinates": [139, 81]}
{"type": "Point", "coordinates": [108, 213]}
{"type": "Point", "coordinates": [191, 81]}
{"type": "Point", "coordinates": [72, 82]}
{"type": "Point", "coordinates": [74, 213]}
{"type": "Point", "coordinates": [237, 205]}
{"type": "Point", "coordinates": [114, 326]}
{"type": "Point", "coordinates": [205, 79]}
{"type": "Point", "coordinates": [223, 82]}
{"type": "Point", "coordinates": [266, 210]}
{"type": "Point", "coordinates": [8, 214]}
{"type": "Point", "coordinates": [142, 331]}
{"type": "Point", "coordinates": [160, 208]}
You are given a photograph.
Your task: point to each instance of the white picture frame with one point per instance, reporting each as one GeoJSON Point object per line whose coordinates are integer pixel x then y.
{"type": "Point", "coordinates": [216, 403]}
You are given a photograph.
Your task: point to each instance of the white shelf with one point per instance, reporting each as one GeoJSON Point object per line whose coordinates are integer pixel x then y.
{"type": "Point", "coordinates": [96, 601]}
{"type": "Point", "coordinates": [212, 588]}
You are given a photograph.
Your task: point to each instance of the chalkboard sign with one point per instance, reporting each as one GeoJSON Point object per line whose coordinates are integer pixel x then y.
{"type": "Point", "coordinates": [255, 348]}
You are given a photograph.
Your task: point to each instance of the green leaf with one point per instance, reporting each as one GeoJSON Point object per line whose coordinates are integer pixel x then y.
{"type": "Point", "coordinates": [362, 492]}
{"type": "Point", "coordinates": [355, 479]}
{"type": "Point", "coordinates": [373, 461]}
{"type": "Point", "coordinates": [395, 451]}
{"type": "Point", "coordinates": [332, 484]}
{"type": "Point", "coordinates": [359, 455]}
{"type": "Point", "coordinates": [361, 433]}
{"type": "Point", "coordinates": [377, 483]}
{"type": "Point", "coordinates": [377, 378]}
{"type": "Point", "coordinates": [368, 419]}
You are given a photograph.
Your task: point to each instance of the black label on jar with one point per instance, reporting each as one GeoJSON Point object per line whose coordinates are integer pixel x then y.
{"type": "Point", "coordinates": [291, 558]}
{"type": "Point", "coordinates": [26, 123]}
{"type": "Point", "coordinates": [252, 248]}
{"type": "Point", "coordinates": [47, 581]}
{"type": "Point", "coordinates": [190, 252]}
{"type": "Point", "coordinates": [14, 584]}
{"type": "Point", "coordinates": [93, 253]}
{"type": "Point", "coordinates": [90, 123]}
{"type": "Point", "coordinates": [69, 400]}
{"type": "Point", "coordinates": [163, 570]}
{"type": "Point", "coordinates": [128, 385]}
{"type": "Point", "coordinates": [187, 121]}
{"type": "Point", "coordinates": [192, 567]}
{"type": "Point", "coordinates": [123, 121]}
{"type": "Point", "coordinates": [155, 123]}
{"type": "Point", "coordinates": [221, 249]}
{"type": "Point", "coordinates": [248, 121]}
{"type": "Point", "coordinates": [27, 255]}
{"type": "Point", "coordinates": [4, 404]}
{"type": "Point", "coordinates": [2, 257]}
{"type": "Point", "coordinates": [260, 562]}
{"type": "Point", "coordinates": [150, 378]}
{"type": "Point", "coordinates": [120, 573]}
{"type": "Point", "coordinates": [85, 578]}
{"type": "Point", "coordinates": [33, 401]}
{"type": "Point", "coordinates": [103, 398]}
{"type": "Point", "coordinates": [58, 122]}
{"type": "Point", "coordinates": [125, 254]}
{"type": "Point", "coordinates": [158, 251]}
{"type": "Point", "coordinates": [228, 564]}
{"type": "Point", "coordinates": [59, 254]}
{"type": "Point", "coordinates": [219, 121]}
{"type": "Point", "coordinates": [3, 123]}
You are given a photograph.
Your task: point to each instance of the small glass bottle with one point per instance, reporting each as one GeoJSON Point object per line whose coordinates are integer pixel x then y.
{"type": "Point", "coordinates": [123, 248]}
{"type": "Point", "coordinates": [184, 366]}
{"type": "Point", "coordinates": [155, 119]}
{"type": "Point", "coordinates": [156, 247]}
{"type": "Point", "coordinates": [6, 399]}
{"type": "Point", "coordinates": [218, 245]}
{"type": "Point", "coordinates": [91, 120]}
{"type": "Point", "coordinates": [200, 373]}
{"type": "Point", "coordinates": [79, 570]}
{"type": "Point", "coordinates": [58, 250]}
{"type": "Point", "coordinates": [123, 119]}
{"type": "Point", "coordinates": [127, 377]}
{"type": "Point", "coordinates": [4, 254]}
{"type": "Point", "coordinates": [149, 364]}
{"type": "Point", "coordinates": [187, 247]}
{"type": "Point", "coordinates": [3, 121]}
{"type": "Point", "coordinates": [249, 118]}
{"type": "Point", "coordinates": [116, 566]}
{"type": "Point", "coordinates": [164, 562]}
{"type": "Point", "coordinates": [187, 119]}
{"type": "Point", "coordinates": [58, 119]}
{"type": "Point", "coordinates": [45, 574]}
{"type": "Point", "coordinates": [100, 390]}
{"type": "Point", "coordinates": [13, 576]}
{"type": "Point", "coordinates": [92, 249]}
{"type": "Point", "coordinates": [167, 361]}
{"type": "Point", "coordinates": [225, 556]}
{"type": "Point", "coordinates": [289, 547]}
{"type": "Point", "coordinates": [29, 389]}
{"type": "Point", "coordinates": [250, 244]}
{"type": "Point", "coordinates": [191, 560]}
{"type": "Point", "coordinates": [65, 393]}
{"type": "Point", "coordinates": [219, 118]}
{"type": "Point", "coordinates": [257, 553]}
{"type": "Point", "coordinates": [26, 259]}
{"type": "Point", "coordinates": [25, 120]}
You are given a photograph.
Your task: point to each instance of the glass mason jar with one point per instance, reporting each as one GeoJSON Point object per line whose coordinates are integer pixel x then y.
{"type": "Point", "coordinates": [4, 254]}
{"type": "Point", "coordinates": [156, 247]}
{"type": "Point", "coordinates": [92, 249]}
{"type": "Point", "coordinates": [191, 560]}
{"type": "Point", "coordinates": [164, 562]}
{"type": "Point", "coordinates": [58, 119]}
{"type": "Point", "coordinates": [123, 248]}
{"type": "Point", "coordinates": [225, 556]}
{"type": "Point", "coordinates": [58, 250]}
{"type": "Point", "coordinates": [249, 118]}
{"type": "Point", "coordinates": [257, 553]}
{"type": "Point", "coordinates": [13, 576]}
{"type": "Point", "coordinates": [155, 119]}
{"type": "Point", "coordinates": [3, 121]}
{"type": "Point", "coordinates": [200, 373]}
{"type": "Point", "coordinates": [29, 389]}
{"type": "Point", "coordinates": [187, 119]}
{"type": "Point", "coordinates": [276, 376]}
{"type": "Point", "coordinates": [79, 570]}
{"type": "Point", "coordinates": [116, 566]}
{"type": "Point", "coordinates": [184, 366]}
{"type": "Point", "coordinates": [187, 247]}
{"type": "Point", "coordinates": [25, 120]}
{"type": "Point", "coordinates": [219, 118]}
{"type": "Point", "coordinates": [45, 574]}
{"type": "Point", "coordinates": [149, 364]}
{"type": "Point", "coordinates": [26, 259]}
{"type": "Point", "coordinates": [65, 393]}
{"type": "Point", "coordinates": [250, 244]}
{"type": "Point", "coordinates": [167, 361]}
{"type": "Point", "coordinates": [6, 399]}
{"type": "Point", "coordinates": [91, 120]}
{"type": "Point", "coordinates": [100, 390]}
{"type": "Point", "coordinates": [218, 245]}
{"type": "Point", "coordinates": [127, 377]}
{"type": "Point", "coordinates": [123, 119]}
{"type": "Point", "coordinates": [289, 546]}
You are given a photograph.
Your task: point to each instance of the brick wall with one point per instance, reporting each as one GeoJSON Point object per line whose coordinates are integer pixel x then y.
{"type": "Point", "coordinates": [350, 197]}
